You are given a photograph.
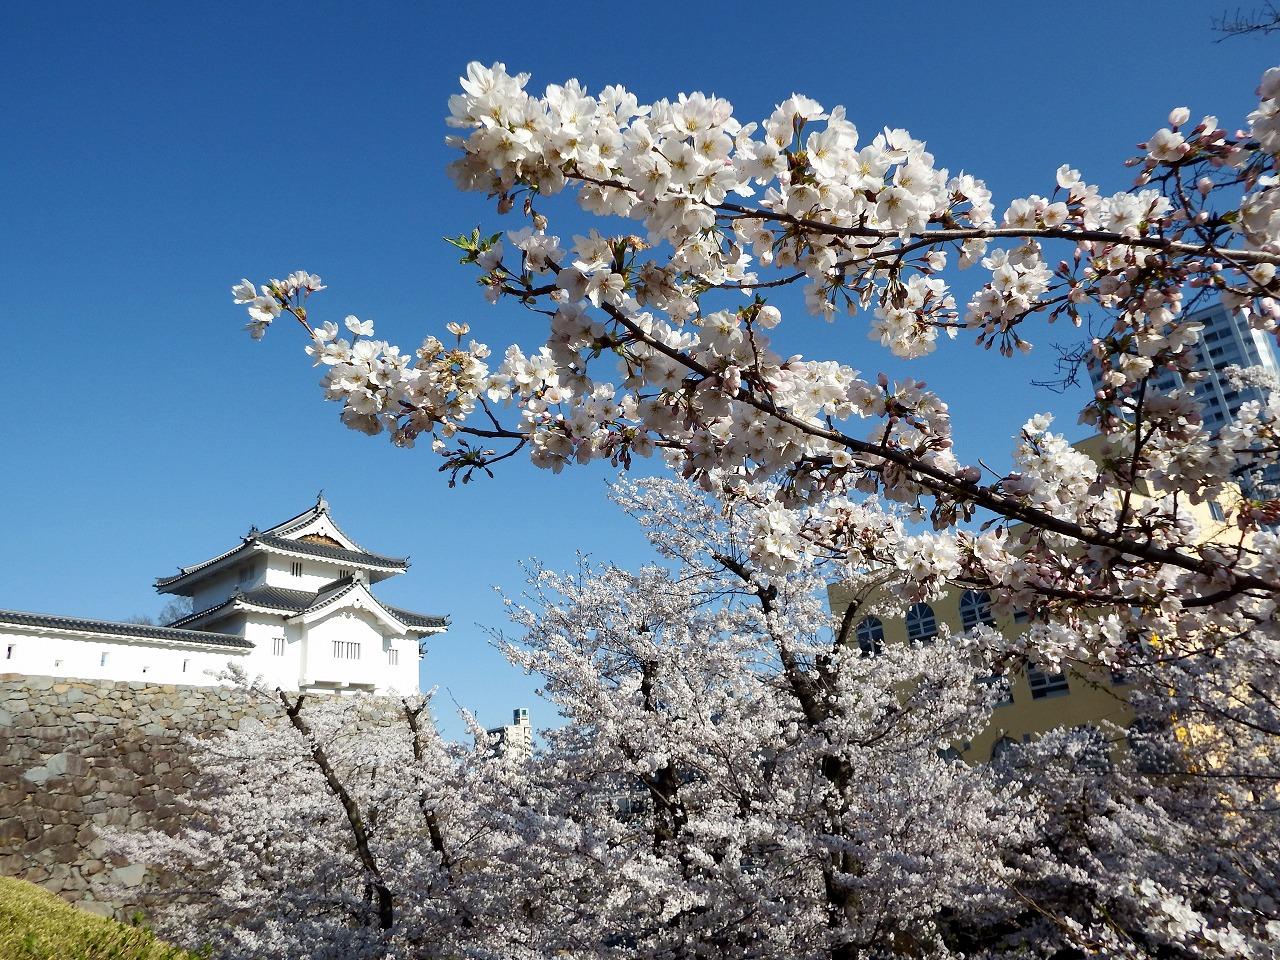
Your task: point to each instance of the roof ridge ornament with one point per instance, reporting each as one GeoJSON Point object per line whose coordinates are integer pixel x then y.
{"type": "Point", "coordinates": [322, 505]}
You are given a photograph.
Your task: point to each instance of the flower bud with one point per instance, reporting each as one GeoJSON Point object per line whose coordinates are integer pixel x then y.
{"type": "Point", "coordinates": [1178, 116]}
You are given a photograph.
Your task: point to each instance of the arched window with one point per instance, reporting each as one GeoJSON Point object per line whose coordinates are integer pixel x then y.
{"type": "Point", "coordinates": [975, 608]}
{"type": "Point", "coordinates": [870, 636]}
{"type": "Point", "coordinates": [922, 625]}
{"type": "Point", "coordinates": [1000, 749]}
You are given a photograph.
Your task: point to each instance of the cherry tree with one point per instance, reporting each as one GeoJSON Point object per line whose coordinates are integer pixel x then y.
{"type": "Point", "coordinates": [665, 342]}
{"type": "Point", "coordinates": [734, 776]}
{"type": "Point", "coordinates": [668, 341]}
{"type": "Point", "coordinates": [337, 827]}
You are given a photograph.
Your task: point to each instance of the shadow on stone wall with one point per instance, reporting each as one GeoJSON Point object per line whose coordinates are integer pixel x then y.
{"type": "Point", "coordinates": [80, 755]}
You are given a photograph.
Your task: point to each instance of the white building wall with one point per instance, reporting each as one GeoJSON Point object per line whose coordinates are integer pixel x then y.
{"type": "Point", "coordinates": [105, 658]}
{"type": "Point", "coordinates": [315, 573]}
{"type": "Point", "coordinates": [243, 576]}
{"type": "Point", "coordinates": [277, 669]}
{"type": "Point", "coordinates": [325, 667]}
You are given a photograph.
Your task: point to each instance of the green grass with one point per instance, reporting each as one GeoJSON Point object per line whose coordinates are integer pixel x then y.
{"type": "Point", "coordinates": [37, 925]}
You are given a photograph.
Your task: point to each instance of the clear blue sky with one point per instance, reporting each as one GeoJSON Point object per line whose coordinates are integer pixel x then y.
{"type": "Point", "coordinates": [153, 154]}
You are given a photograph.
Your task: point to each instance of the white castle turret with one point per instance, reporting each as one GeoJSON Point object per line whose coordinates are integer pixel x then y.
{"type": "Point", "coordinates": [291, 604]}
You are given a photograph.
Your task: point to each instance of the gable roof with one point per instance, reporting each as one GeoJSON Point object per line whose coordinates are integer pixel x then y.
{"type": "Point", "coordinates": [284, 538]}
{"type": "Point", "coordinates": [326, 552]}
{"type": "Point", "coordinates": [300, 602]}
{"type": "Point", "coordinates": [315, 515]}
{"type": "Point", "coordinates": [139, 631]}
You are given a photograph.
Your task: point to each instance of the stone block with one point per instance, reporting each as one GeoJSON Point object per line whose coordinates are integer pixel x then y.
{"type": "Point", "coordinates": [129, 876]}
{"type": "Point", "coordinates": [62, 833]}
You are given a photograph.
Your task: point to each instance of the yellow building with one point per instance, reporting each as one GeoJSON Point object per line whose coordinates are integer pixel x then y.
{"type": "Point", "coordinates": [1081, 694]}
{"type": "Point", "coordinates": [1038, 700]}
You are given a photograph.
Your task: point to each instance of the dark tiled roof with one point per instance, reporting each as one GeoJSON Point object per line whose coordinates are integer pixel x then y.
{"type": "Point", "coordinates": [304, 547]}
{"type": "Point", "coordinates": [278, 598]}
{"type": "Point", "coordinates": [331, 553]}
{"type": "Point", "coordinates": [298, 601]}
{"type": "Point", "coordinates": [141, 630]}
{"type": "Point", "coordinates": [320, 508]}
{"type": "Point", "coordinates": [418, 619]}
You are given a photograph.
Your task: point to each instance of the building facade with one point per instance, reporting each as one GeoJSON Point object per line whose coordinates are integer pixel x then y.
{"type": "Point", "coordinates": [1036, 700]}
{"type": "Point", "coordinates": [514, 739]}
{"type": "Point", "coordinates": [1226, 340]}
{"type": "Point", "coordinates": [292, 604]}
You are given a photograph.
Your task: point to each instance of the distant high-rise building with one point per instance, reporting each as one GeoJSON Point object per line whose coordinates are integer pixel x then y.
{"type": "Point", "coordinates": [516, 738]}
{"type": "Point", "coordinates": [1226, 340]}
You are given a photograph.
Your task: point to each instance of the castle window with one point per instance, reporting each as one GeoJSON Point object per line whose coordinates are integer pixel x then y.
{"type": "Point", "coordinates": [1046, 684]}
{"type": "Point", "coordinates": [8, 651]}
{"type": "Point", "coordinates": [295, 568]}
{"type": "Point", "coordinates": [922, 625]}
{"type": "Point", "coordinates": [871, 636]}
{"type": "Point", "coordinates": [393, 657]}
{"type": "Point", "coordinates": [277, 646]}
{"type": "Point", "coordinates": [343, 573]}
{"type": "Point", "coordinates": [185, 664]}
{"type": "Point", "coordinates": [975, 608]}
{"type": "Point", "coordinates": [102, 659]}
{"type": "Point", "coordinates": [346, 650]}
{"type": "Point", "coordinates": [1215, 511]}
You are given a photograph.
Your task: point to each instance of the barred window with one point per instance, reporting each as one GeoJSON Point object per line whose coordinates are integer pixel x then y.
{"type": "Point", "coordinates": [277, 646]}
{"type": "Point", "coordinates": [393, 657]}
{"type": "Point", "coordinates": [975, 608]}
{"type": "Point", "coordinates": [922, 625]}
{"type": "Point", "coordinates": [870, 635]}
{"type": "Point", "coordinates": [295, 568]}
{"type": "Point", "coordinates": [346, 650]}
{"type": "Point", "coordinates": [1046, 684]}
{"type": "Point", "coordinates": [1000, 683]}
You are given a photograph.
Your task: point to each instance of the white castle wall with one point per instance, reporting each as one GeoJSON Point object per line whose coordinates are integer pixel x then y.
{"type": "Point", "coordinates": [111, 658]}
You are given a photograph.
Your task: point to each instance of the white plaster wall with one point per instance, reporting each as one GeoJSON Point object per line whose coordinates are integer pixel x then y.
{"type": "Point", "coordinates": [70, 655]}
{"type": "Point", "coordinates": [308, 659]}
{"type": "Point", "coordinates": [404, 677]}
{"type": "Point", "coordinates": [323, 668]}
{"type": "Point", "coordinates": [315, 573]}
{"type": "Point", "coordinates": [278, 670]}
{"type": "Point", "coordinates": [216, 589]}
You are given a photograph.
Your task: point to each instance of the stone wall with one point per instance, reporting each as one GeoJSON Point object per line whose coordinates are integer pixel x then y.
{"type": "Point", "coordinates": [79, 755]}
